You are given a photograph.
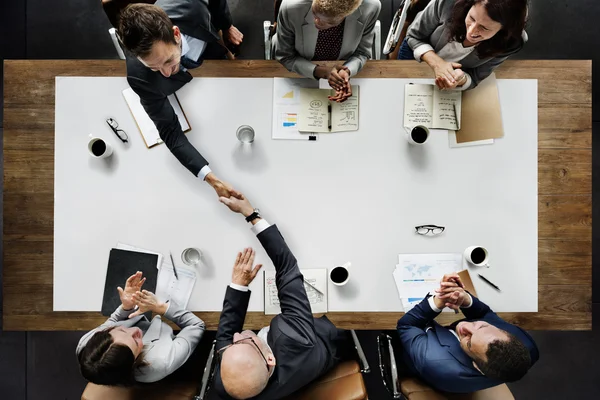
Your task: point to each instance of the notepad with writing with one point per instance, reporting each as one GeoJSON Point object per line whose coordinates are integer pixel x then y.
{"type": "Point", "coordinates": [315, 284]}
{"type": "Point", "coordinates": [121, 265]}
{"type": "Point", "coordinates": [428, 106]}
{"type": "Point", "coordinates": [143, 121]}
{"type": "Point", "coordinates": [319, 114]}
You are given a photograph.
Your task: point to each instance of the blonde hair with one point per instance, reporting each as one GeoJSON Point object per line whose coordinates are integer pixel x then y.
{"type": "Point", "coordinates": [336, 8]}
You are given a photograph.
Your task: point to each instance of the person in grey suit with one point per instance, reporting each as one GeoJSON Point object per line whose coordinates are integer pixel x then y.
{"type": "Point", "coordinates": [163, 41]}
{"type": "Point", "coordinates": [127, 348]}
{"type": "Point", "coordinates": [464, 41]}
{"type": "Point", "coordinates": [309, 31]}
{"type": "Point", "coordinates": [294, 349]}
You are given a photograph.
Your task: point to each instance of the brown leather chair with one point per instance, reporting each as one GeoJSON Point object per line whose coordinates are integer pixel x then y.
{"type": "Point", "coordinates": [410, 388]}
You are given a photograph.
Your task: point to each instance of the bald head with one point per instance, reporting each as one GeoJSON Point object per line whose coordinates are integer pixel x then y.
{"type": "Point", "coordinates": [243, 371]}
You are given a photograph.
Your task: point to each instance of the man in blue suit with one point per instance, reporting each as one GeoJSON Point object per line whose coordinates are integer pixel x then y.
{"type": "Point", "coordinates": [472, 354]}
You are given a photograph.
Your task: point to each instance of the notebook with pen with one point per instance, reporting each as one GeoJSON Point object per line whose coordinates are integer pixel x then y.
{"type": "Point", "coordinates": [143, 121]}
{"type": "Point", "coordinates": [315, 284]}
{"type": "Point", "coordinates": [121, 265]}
{"type": "Point", "coordinates": [319, 114]}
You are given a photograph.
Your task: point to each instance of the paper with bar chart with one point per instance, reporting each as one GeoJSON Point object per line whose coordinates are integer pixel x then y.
{"type": "Point", "coordinates": [286, 105]}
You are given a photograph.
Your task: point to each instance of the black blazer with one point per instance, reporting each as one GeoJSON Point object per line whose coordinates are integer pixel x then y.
{"type": "Point", "coordinates": [196, 18]}
{"type": "Point", "coordinates": [304, 347]}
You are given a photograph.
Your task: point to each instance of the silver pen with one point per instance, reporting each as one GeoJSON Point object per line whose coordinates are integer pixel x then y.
{"type": "Point", "coordinates": [313, 286]}
{"type": "Point", "coordinates": [174, 268]}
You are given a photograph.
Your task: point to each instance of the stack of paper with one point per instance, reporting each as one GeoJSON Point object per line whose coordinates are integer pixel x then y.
{"type": "Point", "coordinates": [167, 286]}
{"type": "Point", "coordinates": [418, 274]}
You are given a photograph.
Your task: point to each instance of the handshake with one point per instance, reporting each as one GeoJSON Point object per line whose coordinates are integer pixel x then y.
{"type": "Point", "coordinates": [133, 296]}
{"type": "Point", "coordinates": [451, 293]}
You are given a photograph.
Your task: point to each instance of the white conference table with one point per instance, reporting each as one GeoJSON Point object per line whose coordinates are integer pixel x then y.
{"type": "Point", "coordinates": [353, 196]}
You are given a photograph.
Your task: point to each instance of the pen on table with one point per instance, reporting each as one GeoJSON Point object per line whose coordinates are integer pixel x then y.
{"type": "Point", "coordinates": [456, 117]}
{"type": "Point", "coordinates": [174, 268]}
{"type": "Point", "coordinates": [313, 286]}
{"type": "Point", "coordinates": [489, 283]}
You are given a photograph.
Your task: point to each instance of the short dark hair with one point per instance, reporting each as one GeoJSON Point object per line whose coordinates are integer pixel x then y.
{"type": "Point", "coordinates": [141, 25]}
{"type": "Point", "coordinates": [507, 360]}
{"type": "Point", "coordinates": [104, 362]}
{"type": "Point", "coordinates": [511, 14]}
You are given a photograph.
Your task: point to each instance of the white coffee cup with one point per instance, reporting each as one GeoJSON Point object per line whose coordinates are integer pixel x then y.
{"type": "Point", "coordinates": [418, 135]}
{"type": "Point", "coordinates": [340, 275]}
{"type": "Point", "coordinates": [98, 148]}
{"type": "Point", "coordinates": [481, 254]}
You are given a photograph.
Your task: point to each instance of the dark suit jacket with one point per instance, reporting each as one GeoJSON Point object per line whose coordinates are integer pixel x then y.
{"type": "Point", "coordinates": [435, 354]}
{"type": "Point", "coordinates": [304, 347]}
{"type": "Point", "coordinates": [196, 18]}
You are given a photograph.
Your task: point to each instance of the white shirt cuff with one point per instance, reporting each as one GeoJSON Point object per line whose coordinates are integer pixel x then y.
{"type": "Point", "coordinates": [204, 171]}
{"type": "Point", "coordinates": [432, 304]}
{"type": "Point", "coordinates": [471, 302]}
{"type": "Point", "coordinates": [238, 287]}
{"type": "Point", "coordinates": [419, 51]}
{"type": "Point", "coordinates": [467, 84]}
{"type": "Point", "coordinates": [260, 226]}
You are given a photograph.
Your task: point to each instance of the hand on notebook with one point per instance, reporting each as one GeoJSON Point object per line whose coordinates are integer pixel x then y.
{"type": "Point", "coordinates": [223, 189]}
{"type": "Point", "coordinates": [339, 77]}
{"type": "Point", "coordinates": [244, 270]}
{"type": "Point", "coordinates": [444, 74]}
{"type": "Point", "coordinates": [134, 283]}
{"type": "Point", "coordinates": [147, 301]}
{"type": "Point", "coordinates": [342, 95]}
{"type": "Point", "coordinates": [238, 205]}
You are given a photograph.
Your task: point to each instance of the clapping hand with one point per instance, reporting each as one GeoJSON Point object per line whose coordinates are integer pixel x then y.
{"type": "Point", "coordinates": [134, 284]}
{"type": "Point", "coordinates": [147, 301]}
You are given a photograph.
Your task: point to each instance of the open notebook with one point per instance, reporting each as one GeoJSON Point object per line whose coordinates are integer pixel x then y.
{"type": "Point", "coordinates": [315, 284]}
{"type": "Point", "coordinates": [143, 121]}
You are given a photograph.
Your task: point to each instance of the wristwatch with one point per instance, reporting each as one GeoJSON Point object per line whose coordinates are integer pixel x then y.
{"type": "Point", "coordinates": [254, 215]}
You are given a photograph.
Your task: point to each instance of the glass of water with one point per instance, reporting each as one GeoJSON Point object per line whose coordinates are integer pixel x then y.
{"type": "Point", "coordinates": [191, 256]}
{"type": "Point", "coordinates": [245, 134]}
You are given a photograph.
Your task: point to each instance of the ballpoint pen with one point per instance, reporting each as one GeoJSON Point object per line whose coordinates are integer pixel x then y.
{"type": "Point", "coordinates": [313, 286]}
{"type": "Point", "coordinates": [489, 283]}
{"type": "Point", "coordinates": [174, 268]}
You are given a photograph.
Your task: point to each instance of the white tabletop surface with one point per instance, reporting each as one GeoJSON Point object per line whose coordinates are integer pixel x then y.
{"type": "Point", "coordinates": [347, 197]}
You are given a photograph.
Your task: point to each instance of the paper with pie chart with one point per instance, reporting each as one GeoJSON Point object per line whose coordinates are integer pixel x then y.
{"type": "Point", "coordinates": [286, 105]}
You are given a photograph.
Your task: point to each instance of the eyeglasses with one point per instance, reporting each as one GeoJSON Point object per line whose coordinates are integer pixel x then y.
{"type": "Point", "coordinates": [114, 125]}
{"type": "Point", "coordinates": [429, 229]}
{"type": "Point", "coordinates": [244, 340]}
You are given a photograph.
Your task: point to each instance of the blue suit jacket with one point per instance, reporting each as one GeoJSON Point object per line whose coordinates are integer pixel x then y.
{"type": "Point", "coordinates": [435, 354]}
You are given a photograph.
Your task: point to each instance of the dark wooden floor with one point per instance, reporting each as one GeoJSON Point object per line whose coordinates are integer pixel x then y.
{"type": "Point", "coordinates": [42, 365]}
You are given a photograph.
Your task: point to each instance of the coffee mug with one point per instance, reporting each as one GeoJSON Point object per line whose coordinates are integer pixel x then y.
{"type": "Point", "coordinates": [477, 256]}
{"type": "Point", "coordinates": [98, 148]}
{"type": "Point", "coordinates": [418, 135]}
{"type": "Point", "coordinates": [340, 275]}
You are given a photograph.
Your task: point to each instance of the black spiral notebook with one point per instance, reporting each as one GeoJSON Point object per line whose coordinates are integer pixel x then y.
{"type": "Point", "coordinates": [121, 265]}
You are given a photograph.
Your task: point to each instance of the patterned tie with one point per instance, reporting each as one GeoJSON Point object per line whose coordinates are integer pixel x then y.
{"type": "Point", "coordinates": [188, 63]}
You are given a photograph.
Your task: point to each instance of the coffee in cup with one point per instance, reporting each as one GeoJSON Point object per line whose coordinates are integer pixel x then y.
{"type": "Point", "coordinates": [477, 256]}
{"type": "Point", "coordinates": [418, 135]}
{"type": "Point", "coordinates": [339, 275]}
{"type": "Point", "coordinates": [98, 148]}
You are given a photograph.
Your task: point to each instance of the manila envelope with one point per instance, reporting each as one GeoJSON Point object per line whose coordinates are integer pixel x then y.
{"type": "Point", "coordinates": [480, 117]}
{"type": "Point", "coordinates": [465, 277]}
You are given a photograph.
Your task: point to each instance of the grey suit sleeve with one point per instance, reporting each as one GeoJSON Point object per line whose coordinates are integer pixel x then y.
{"type": "Point", "coordinates": [161, 112]}
{"type": "Point", "coordinates": [364, 50]}
{"type": "Point", "coordinates": [185, 342]}
{"type": "Point", "coordinates": [118, 315]}
{"type": "Point", "coordinates": [284, 46]}
{"type": "Point", "coordinates": [425, 23]}
{"type": "Point", "coordinates": [481, 72]}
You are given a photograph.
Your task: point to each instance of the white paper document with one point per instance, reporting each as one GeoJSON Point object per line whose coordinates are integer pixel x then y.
{"type": "Point", "coordinates": [453, 143]}
{"type": "Point", "coordinates": [418, 274]}
{"type": "Point", "coordinates": [315, 284]}
{"type": "Point", "coordinates": [143, 121]}
{"type": "Point", "coordinates": [168, 287]}
{"type": "Point", "coordinates": [286, 106]}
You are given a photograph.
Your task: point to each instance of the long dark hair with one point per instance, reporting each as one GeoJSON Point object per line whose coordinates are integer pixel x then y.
{"type": "Point", "coordinates": [511, 14]}
{"type": "Point", "coordinates": [104, 362]}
